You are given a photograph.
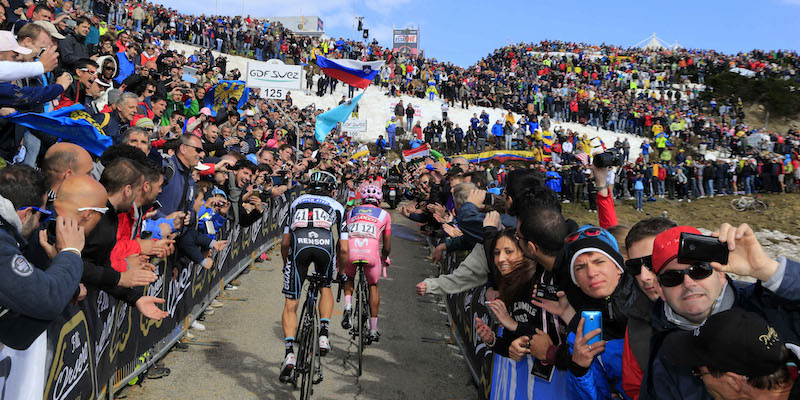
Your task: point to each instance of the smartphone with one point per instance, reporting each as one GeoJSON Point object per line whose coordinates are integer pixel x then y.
{"type": "Point", "coordinates": [277, 180]}
{"type": "Point", "coordinates": [488, 305]}
{"type": "Point", "coordinates": [592, 320]}
{"type": "Point", "coordinates": [156, 205]}
{"type": "Point", "coordinates": [146, 235]}
{"type": "Point", "coordinates": [546, 291]}
{"type": "Point", "coordinates": [702, 248]}
{"type": "Point", "coordinates": [51, 231]}
{"type": "Point", "coordinates": [40, 53]}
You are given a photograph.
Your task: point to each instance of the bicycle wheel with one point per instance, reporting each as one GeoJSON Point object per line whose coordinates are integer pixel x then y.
{"type": "Point", "coordinates": [738, 205]}
{"type": "Point", "coordinates": [759, 206]}
{"type": "Point", "coordinates": [360, 315]}
{"type": "Point", "coordinates": [301, 335]}
{"type": "Point", "coordinates": [311, 350]}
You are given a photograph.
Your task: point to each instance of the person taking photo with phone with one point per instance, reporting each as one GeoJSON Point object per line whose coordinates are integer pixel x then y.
{"type": "Point", "coordinates": [694, 287]}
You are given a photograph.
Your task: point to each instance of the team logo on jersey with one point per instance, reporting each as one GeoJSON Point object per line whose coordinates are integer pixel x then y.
{"type": "Point", "coordinates": [21, 266]}
{"type": "Point", "coordinates": [313, 235]}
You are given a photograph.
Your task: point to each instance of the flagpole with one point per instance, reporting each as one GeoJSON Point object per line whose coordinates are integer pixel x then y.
{"type": "Point", "coordinates": [296, 127]}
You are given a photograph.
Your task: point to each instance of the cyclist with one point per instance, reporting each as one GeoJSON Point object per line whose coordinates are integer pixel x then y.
{"type": "Point", "coordinates": [309, 235]}
{"type": "Point", "coordinates": [367, 225]}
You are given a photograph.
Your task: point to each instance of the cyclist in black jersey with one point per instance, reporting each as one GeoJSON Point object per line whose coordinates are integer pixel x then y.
{"type": "Point", "coordinates": [314, 231]}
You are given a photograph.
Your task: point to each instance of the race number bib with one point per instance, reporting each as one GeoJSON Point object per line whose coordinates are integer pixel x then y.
{"type": "Point", "coordinates": [362, 230]}
{"type": "Point", "coordinates": [311, 217]}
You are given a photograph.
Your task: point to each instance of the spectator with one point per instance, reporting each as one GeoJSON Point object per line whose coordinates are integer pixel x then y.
{"type": "Point", "coordinates": [29, 292]}
{"type": "Point", "coordinates": [711, 292]}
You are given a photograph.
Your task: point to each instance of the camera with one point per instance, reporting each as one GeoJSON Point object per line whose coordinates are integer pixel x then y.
{"type": "Point", "coordinates": [548, 292]}
{"type": "Point", "coordinates": [693, 247]}
{"type": "Point", "coordinates": [608, 158]}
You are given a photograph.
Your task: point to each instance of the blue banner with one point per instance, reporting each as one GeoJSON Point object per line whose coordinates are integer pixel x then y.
{"type": "Point", "coordinates": [217, 97]}
{"type": "Point", "coordinates": [72, 124]}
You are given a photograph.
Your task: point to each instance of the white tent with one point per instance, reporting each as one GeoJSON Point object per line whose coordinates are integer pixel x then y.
{"type": "Point", "coordinates": [653, 42]}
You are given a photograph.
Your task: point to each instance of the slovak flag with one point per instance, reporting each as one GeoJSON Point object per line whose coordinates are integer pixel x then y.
{"type": "Point", "coordinates": [355, 73]}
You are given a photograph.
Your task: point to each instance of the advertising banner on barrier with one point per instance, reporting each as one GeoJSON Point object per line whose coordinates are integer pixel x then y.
{"type": "Point", "coordinates": [102, 340]}
{"type": "Point", "coordinates": [463, 308]}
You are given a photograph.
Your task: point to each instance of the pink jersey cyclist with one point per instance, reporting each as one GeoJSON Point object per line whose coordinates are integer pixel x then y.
{"type": "Point", "coordinates": [367, 224]}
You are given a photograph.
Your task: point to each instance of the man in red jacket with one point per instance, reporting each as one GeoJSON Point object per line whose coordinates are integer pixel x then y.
{"type": "Point", "coordinates": [636, 353]}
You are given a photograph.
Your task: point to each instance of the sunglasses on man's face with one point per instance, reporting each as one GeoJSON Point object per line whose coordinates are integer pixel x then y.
{"type": "Point", "coordinates": [674, 277]}
{"type": "Point", "coordinates": [634, 265]}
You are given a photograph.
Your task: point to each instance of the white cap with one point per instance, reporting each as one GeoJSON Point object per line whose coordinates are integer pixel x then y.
{"type": "Point", "coordinates": [9, 43]}
{"type": "Point", "coordinates": [201, 167]}
{"type": "Point", "coordinates": [50, 28]}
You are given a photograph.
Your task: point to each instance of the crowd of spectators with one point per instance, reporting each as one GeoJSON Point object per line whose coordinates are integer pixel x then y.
{"type": "Point", "coordinates": [75, 219]}
{"type": "Point", "coordinates": [673, 327]}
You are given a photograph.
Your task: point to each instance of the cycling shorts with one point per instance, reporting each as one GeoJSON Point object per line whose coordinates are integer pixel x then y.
{"type": "Point", "coordinates": [309, 246]}
{"type": "Point", "coordinates": [372, 271]}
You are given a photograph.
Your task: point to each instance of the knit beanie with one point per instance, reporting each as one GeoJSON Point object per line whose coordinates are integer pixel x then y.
{"type": "Point", "coordinates": [592, 239]}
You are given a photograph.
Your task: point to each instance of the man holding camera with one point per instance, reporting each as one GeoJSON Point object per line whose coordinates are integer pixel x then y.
{"type": "Point", "coordinates": [694, 288]}
{"type": "Point", "coordinates": [30, 297]}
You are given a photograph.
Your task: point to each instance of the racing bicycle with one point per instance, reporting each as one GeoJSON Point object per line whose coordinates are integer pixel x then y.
{"type": "Point", "coordinates": [309, 369]}
{"type": "Point", "coordinates": [745, 203]}
{"type": "Point", "coordinates": [360, 330]}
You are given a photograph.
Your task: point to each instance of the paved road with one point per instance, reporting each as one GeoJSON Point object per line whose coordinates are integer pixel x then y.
{"type": "Point", "coordinates": [239, 354]}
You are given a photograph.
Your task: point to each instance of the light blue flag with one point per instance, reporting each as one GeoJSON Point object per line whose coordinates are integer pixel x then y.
{"type": "Point", "coordinates": [71, 124]}
{"type": "Point", "coordinates": [328, 120]}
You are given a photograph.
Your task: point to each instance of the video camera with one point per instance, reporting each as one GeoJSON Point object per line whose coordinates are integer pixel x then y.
{"type": "Point", "coordinates": [608, 158]}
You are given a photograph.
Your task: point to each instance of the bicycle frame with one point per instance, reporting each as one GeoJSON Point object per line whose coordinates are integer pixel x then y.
{"type": "Point", "coordinates": [308, 325]}
{"type": "Point", "coordinates": [361, 292]}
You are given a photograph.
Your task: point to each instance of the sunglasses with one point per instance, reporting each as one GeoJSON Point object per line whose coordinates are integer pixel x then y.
{"type": "Point", "coordinates": [674, 277]}
{"type": "Point", "coordinates": [47, 214]}
{"type": "Point", "coordinates": [197, 149]}
{"type": "Point", "coordinates": [634, 265]}
{"type": "Point", "coordinates": [91, 72]}
{"type": "Point", "coordinates": [589, 232]}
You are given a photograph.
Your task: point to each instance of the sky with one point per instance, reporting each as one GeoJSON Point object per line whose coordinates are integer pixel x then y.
{"type": "Point", "coordinates": [463, 32]}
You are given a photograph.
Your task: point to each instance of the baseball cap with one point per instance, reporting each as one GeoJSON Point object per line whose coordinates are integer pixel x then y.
{"type": "Point", "coordinates": [219, 192]}
{"type": "Point", "coordinates": [201, 167]}
{"type": "Point", "coordinates": [9, 43]}
{"type": "Point", "coordinates": [666, 245]}
{"type": "Point", "coordinates": [735, 341]}
{"type": "Point", "coordinates": [249, 113]}
{"type": "Point", "coordinates": [206, 111]}
{"type": "Point", "coordinates": [50, 28]}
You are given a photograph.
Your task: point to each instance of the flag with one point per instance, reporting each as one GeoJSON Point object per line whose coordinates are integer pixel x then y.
{"type": "Point", "coordinates": [217, 97]}
{"type": "Point", "coordinates": [362, 151]}
{"type": "Point", "coordinates": [421, 151]}
{"type": "Point", "coordinates": [438, 156]}
{"type": "Point", "coordinates": [503, 156]}
{"type": "Point", "coordinates": [547, 139]}
{"type": "Point", "coordinates": [72, 124]}
{"type": "Point", "coordinates": [355, 73]}
{"type": "Point", "coordinates": [328, 120]}
{"type": "Point", "coordinates": [583, 157]}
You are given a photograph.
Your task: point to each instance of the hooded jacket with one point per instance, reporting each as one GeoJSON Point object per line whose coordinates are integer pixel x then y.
{"type": "Point", "coordinates": [72, 48]}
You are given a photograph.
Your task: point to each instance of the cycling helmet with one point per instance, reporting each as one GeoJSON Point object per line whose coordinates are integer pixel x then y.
{"type": "Point", "coordinates": [322, 181]}
{"type": "Point", "coordinates": [371, 194]}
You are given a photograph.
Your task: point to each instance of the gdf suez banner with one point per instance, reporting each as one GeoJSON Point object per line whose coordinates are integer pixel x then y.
{"type": "Point", "coordinates": [103, 342]}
